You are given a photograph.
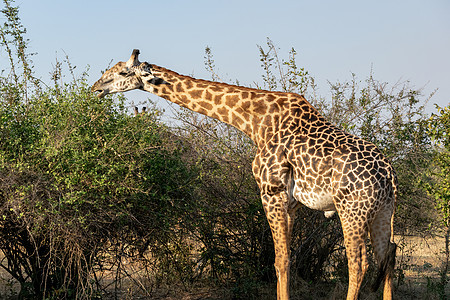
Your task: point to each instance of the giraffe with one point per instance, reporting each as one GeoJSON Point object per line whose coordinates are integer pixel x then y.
{"type": "Point", "coordinates": [301, 158]}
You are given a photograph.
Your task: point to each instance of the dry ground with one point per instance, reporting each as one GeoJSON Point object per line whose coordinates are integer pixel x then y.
{"type": "Point", "coordinates": [419, 260]}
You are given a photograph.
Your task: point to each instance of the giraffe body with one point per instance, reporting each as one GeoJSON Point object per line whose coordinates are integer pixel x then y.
{"type": "Point", "coordinates": [301, 159]}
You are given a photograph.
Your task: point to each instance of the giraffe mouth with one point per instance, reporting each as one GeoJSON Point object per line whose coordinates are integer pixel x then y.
{"type": "Point", "coordinates": [101, 94]}
{"type": "Point", "coordinates": [96, 87]}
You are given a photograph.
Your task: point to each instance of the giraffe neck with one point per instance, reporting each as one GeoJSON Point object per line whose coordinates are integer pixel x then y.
{"type": "Point", "coordinates": [244, 108]}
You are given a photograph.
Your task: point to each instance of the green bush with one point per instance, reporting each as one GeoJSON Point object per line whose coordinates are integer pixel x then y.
{"type": "Point", "coordinates": [81, 181]}
{"type": "Point", "coordinates": [78, 174]}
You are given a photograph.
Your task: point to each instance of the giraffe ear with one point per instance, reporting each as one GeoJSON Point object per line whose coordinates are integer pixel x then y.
{"type": "Point", "coordinates": [133, 61]}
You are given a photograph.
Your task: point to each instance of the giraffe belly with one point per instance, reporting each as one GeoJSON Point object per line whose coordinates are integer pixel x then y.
{"type": "Point", "coordinates": [317, 199]}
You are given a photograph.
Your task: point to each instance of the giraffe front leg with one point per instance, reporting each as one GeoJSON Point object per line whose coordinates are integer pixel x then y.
{"type": "Point", "coordinates": [281, 220]}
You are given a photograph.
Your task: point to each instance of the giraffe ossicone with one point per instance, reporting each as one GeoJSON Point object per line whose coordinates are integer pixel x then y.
{"type": "Point", "coordinates": [301, 158]}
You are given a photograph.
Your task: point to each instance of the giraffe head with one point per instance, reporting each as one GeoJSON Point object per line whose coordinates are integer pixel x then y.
{"type": "Point", "coordinates": [124, 76]}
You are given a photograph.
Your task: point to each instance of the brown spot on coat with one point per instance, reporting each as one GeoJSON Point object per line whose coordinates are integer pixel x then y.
{"type": "Point", "coordinates": [188, 84]}
{"type": "Point", "coordinates": [270, 98]}
{"type": "Point", "coordinates": [260, 107]}
{"type": "Point", "coordinates": [218, 99]}
{"type": "Point", "coordinates": [206, 105]}
{"type": "Point", "coordinates": [245, 105]}
{"type": "Point", "coordinates": [196, 94]}
{"type": "Point", "coordinates": [222, 111]}
{"type": "Point", "coordinates": [231, 100]}
{"type": "Point", "coordinates": [208, 95]}
{"type": "Point", "coordinates": [282, 101]}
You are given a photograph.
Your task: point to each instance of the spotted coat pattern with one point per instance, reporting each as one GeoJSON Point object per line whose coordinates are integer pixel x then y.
{"type": "Point", "coordinates": [301, 159]}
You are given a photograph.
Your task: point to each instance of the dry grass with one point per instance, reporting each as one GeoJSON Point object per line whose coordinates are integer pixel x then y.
{"type": "Point", "coordinates": [419, 260]}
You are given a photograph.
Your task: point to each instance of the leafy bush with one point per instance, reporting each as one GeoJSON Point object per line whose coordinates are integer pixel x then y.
{"type": "Point", "coordinates": [79, 179]}
{"type": "Point", "coordinates": [80, 175]}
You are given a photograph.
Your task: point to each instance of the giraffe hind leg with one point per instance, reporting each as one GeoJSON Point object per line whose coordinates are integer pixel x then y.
{"type": "Point", "coordinates": [355, 234]}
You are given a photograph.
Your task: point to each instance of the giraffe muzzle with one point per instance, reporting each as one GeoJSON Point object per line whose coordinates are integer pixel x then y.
{"type": "Point", "coordinates": [101, 92]}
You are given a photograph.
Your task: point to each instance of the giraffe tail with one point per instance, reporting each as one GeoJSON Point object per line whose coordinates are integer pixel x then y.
{"type": "Point", "coordinates": [386, 266]}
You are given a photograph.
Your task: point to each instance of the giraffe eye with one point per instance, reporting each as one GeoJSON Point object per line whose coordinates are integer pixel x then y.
{"type": "Point", "coordinates": [126, 73]}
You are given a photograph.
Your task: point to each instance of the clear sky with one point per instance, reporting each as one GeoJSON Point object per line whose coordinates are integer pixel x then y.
{"type": "Point", "coordinates": [399, 39]}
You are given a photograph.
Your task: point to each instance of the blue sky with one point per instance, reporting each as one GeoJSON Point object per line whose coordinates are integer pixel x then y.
{"type": "Point", "coordinates": [400, 40]}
